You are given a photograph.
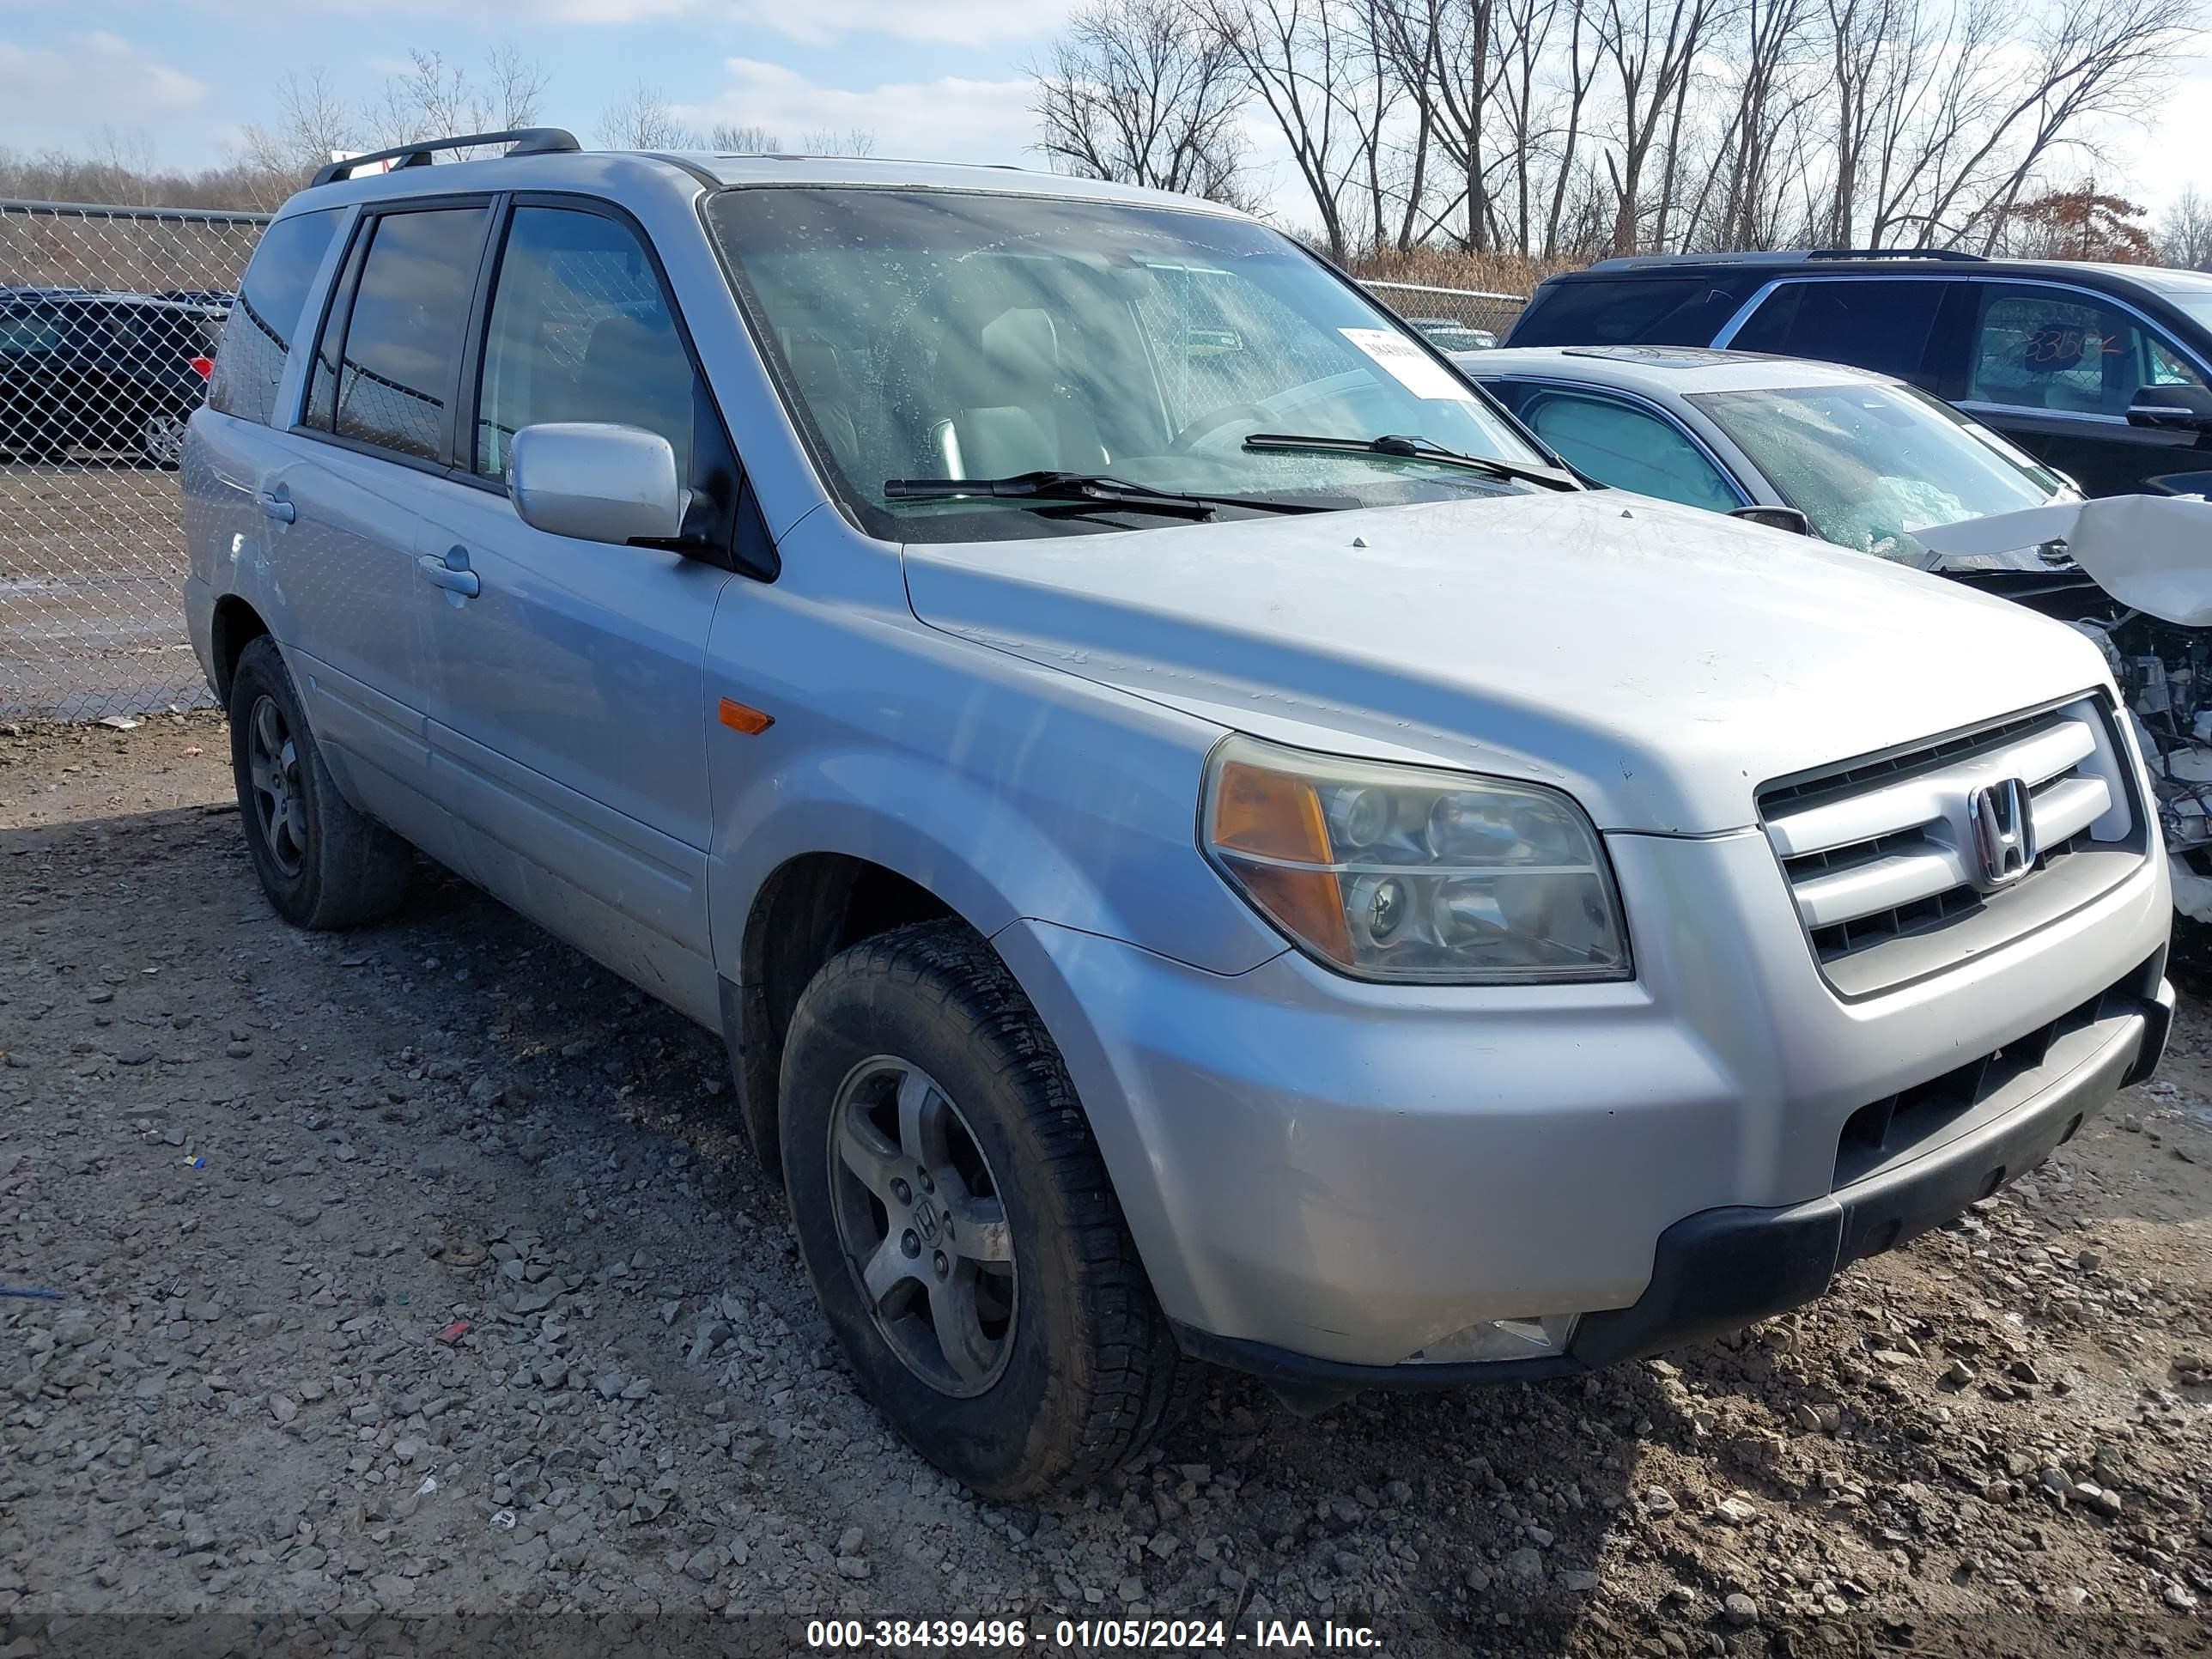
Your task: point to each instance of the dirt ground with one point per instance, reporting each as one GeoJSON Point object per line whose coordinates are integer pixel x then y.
{"type": "Point", "coordinates": [413, 1277]}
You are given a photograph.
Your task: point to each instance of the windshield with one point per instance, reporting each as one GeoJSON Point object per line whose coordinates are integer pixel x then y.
{"type": "Point", "coordinates": [1869, 464]}
{"type": "Point", "coordinates": [925, 334]}
{"type": "Point", "coordinates": [2194, 299]}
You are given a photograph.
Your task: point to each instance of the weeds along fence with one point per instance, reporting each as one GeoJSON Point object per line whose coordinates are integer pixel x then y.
{"type": "Point", "coordinates": [108, 322]}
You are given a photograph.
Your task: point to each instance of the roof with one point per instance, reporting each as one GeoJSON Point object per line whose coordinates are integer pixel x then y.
{"type": "Point", "coordinates": [1936, 264]}
{"type": "Point", "coordinates": [1662, 371]}
{"type": "Point", "coordinates": [545, 168]}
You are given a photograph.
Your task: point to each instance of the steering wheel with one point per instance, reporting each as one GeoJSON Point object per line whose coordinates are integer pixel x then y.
{"type": "Point", "coordinates": [1211, 421]}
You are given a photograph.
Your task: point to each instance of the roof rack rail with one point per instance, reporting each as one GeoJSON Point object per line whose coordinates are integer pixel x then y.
{"type": "Point", "coordinates": [526, 141]}
{"type": "Point", "coordinates": [1781, 255]}
{"type": "Point", "coordinates": [1959, 256]}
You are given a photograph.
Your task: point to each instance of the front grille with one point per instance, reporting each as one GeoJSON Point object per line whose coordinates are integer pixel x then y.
{"type": "Point", "coordinates": [1880, 854]}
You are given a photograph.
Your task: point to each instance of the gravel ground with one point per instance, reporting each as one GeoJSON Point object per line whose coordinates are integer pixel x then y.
{"type": "Point", "coordinates": [91, 554]}
{"type": "Point", "coordinates": [415, 1272]}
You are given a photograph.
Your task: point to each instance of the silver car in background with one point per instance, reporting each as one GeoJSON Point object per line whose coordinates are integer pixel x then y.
{"type": "Point", "coordinates": [1870, 462]}
{"type": "Point", "coordinates": [1202, 842]}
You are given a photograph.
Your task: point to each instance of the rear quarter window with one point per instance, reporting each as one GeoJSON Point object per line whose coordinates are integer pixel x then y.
{"type": "Point", "coordinates": [1632, 311]}
{"type": "Point", "coordinates": [266, 320]}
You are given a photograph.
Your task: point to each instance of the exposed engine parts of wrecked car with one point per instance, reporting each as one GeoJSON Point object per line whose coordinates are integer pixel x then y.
{"type": "Point", "coordinates": [2133, 572]}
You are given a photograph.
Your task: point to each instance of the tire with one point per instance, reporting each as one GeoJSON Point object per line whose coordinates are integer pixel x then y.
{"type": "Point", "coordinates": [1076, 1369]}
{"type": "Point", "coordinates": [322, 863]}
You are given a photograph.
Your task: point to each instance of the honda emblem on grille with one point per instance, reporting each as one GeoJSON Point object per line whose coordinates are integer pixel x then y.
{"type": "Point", "coordinates": [2004, 831]}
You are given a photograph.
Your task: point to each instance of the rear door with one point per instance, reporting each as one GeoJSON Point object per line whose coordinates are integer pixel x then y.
{"type": "Point", "coordinates": [30, 371]}
{"type": "Point", "coordinates": [2054, 368]}
{"type": "Point", "coordinates": [1886, 323]}
{"type": "Point", "coordinates": [569, 711]}
{"type": "Point", "coordinates": [374, 434]}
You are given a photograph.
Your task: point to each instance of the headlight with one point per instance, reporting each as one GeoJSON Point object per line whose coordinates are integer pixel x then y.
{"type": "Point", "coordinates": [1399, 872]}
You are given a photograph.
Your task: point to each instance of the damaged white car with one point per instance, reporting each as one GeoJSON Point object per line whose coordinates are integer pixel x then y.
{"type": "Point", "coordinates": [1867, 462]}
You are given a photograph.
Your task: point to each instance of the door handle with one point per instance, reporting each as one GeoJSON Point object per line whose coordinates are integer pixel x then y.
{"type": "Point", "coordinates": [277, 505]}
{"type": "Point", "coordinates": [451, 573]}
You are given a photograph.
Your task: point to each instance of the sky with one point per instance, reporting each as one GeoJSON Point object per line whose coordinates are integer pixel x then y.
{"type": "Point", "coordinates": [936, 79]}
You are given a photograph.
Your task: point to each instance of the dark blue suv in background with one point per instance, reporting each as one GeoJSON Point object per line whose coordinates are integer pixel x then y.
{"type": "Point", "coordinates": [2104, 372]}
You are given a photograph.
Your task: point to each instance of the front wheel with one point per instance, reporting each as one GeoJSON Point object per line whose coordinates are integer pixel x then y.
{"type": "Point", "coordinates": [957, 1222]}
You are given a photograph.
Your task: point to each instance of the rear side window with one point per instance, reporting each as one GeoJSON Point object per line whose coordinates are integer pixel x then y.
{"type": "Point", "coordinates": [250, 360]}
{"type": "Point", "coordinates": [1636, 311]}
{"type": "Point", "coordinates": [581, 331]}
{"type": "Point", "coordinates": [28, 333]}
{"type": "Point", "coordinates": [1879, 324]}
{"type": "Point", "coordinates": [390, 380]}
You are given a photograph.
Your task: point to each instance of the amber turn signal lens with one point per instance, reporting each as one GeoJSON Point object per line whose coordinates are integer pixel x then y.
{"type": "Point", "coordinates": [1271, 813]}
{"type": "Point", "coordinates": [739, 718]}
{"type": "Point", "coordinates": [1277, 814]}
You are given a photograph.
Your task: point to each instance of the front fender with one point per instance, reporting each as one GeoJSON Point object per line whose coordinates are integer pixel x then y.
{"type": "Point", "coordinates": [1007, 789]}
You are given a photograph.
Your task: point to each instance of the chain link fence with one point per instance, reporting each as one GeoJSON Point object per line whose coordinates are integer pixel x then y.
{"type": "Point", "coordinates": [108, 321]}
{"type": "Point", "coordinates": [1453, 317]}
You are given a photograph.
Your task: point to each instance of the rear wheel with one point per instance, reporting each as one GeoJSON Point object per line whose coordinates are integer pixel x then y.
{"type": "Point", "coordinates": [957, 1222]}
{"type": "Point", "coordinates": [322, 863]}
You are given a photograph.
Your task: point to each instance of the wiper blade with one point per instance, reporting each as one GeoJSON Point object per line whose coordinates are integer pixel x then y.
{"type": "Point", "coordinates": [1094, 486]}
{"type": "Point", "coordinates": [1417, 449]}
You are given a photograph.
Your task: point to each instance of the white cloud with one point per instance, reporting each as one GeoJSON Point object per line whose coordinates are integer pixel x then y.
{"type": "Point", "coordinates": [949, 119]}
{"type": "Point", "coordinates": [88, 81]}
{"type": "Point", "coordinates": [961, 22]}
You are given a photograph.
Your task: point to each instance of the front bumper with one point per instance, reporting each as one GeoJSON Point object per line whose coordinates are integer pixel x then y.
{"type": "Point", "coordinates": [1339, 1175]}
{"type": "Point", "coordinates": [1722, 1269]}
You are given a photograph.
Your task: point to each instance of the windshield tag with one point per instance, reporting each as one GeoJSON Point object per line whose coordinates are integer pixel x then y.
{"type": "Point", "coordinates": [1407, 363]}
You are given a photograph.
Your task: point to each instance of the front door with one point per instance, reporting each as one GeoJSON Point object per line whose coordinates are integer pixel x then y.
{"type": "Point", "coordinates": [2054, 368]}
{"type": "Point", "coordinates": [569, 706]}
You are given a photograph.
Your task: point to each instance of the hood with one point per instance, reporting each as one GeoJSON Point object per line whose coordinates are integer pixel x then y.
{"type": "Point", "coordinates": [1657, 662]}
{"type": "Point", "coordinates": [2152, 553]}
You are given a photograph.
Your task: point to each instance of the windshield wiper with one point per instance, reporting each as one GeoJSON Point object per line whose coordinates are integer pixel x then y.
{"type": "Point", "coordinates": [1093, 487]}
{"type": "Point", "coordinates": [1416, 449]}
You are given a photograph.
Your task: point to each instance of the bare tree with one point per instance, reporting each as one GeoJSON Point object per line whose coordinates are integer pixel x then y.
{"type": "Point", "coordinates": [1143, 91]}
{"type": "Point", "coordinates": [1300, 58]}
{"type": "Point", "coordinates": [312, 124]}
{"type": "Point", "coordinates": [829, 140]}
{"type": "Point", "coordinates": [434, 97]}
{"type": "Point", "coordinates": [749, 140]}
{"type": "Point", "coordinates": [641, 119]}
{"type": "Point", "coordinates": [2184, 234]}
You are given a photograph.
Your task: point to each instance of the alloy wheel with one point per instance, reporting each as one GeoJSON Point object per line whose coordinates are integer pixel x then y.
{"type": "Point", "coordinates": [272, 761]}
{"type": "Point", "coordinates": [923, 1224]}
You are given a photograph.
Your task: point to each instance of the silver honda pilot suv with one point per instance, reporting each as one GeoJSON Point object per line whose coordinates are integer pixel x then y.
{"type": "Point", "coordinates": [1204, 842]}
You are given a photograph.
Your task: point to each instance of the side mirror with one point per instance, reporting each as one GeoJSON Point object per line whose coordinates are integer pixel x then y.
{"type": "Point", "coordinates": [1776, 517]}
{"type": "Point", "coordinates": [2175, 408]}
{"type": "Point", "coordinates": [596, 482]}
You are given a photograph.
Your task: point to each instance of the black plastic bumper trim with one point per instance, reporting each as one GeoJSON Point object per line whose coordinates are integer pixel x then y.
{"type": "Point", "coordinates": [1722, 1269]}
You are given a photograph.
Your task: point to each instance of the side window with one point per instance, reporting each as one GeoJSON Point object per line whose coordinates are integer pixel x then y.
{"type": "Point", "coordinates": [581, 331]}
{"type": "Point", "coordinates": [2066, 350]}
{"type": "Point", "coordinates": [1631, 310]}
{"type": "Point", "coordinates": [1629, 448]}
{"type": "Point", "coordinates": [250, 360]}
{"type": "Point", "coordinates": [1882, 324]}
{"type": "Point", "coordinates": [386, 381]}
{"type": "Point", "coordinates": [29, 333]}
